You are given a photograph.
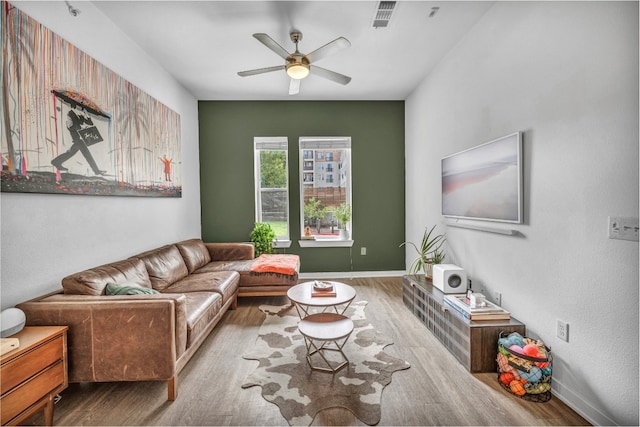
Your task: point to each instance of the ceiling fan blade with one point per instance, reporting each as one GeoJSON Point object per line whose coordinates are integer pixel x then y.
{"type": "Point", "coordinates": [327, 49]}
{"type": "Point", "coordinates": [331, 75]}
{"type": "Point", "coordinates": [294, 87]}
{"type": "Point", "coordinates": [271, 44]}
{"type": "Point", "coordinates": [260, 71]}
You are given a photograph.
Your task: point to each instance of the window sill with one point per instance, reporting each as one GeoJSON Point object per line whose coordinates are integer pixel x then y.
{"type": "Point", "coordinates": [281, 244]}
{"type": "Point", "coordinates": [325, 243]}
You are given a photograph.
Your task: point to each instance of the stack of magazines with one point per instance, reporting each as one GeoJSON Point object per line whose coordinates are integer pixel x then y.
{"type": "Point", "coordinates": [488, 311]}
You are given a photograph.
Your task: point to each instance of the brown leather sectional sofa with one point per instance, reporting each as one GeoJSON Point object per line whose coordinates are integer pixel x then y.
{"type": "Point", "coordinates": [150, 337]}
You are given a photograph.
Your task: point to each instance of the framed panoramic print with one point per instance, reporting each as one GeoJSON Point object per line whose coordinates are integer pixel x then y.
{"type": "Point", "coordinates": [70, 125]}
{"type": "Point", "coordinates": [485, 182]}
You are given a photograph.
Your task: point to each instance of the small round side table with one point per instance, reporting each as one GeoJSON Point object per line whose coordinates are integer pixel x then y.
{"type": "Point", "coordinates": [324, 332]}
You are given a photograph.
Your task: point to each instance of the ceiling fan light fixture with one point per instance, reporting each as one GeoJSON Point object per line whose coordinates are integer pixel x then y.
{"type": "Point", "coordinates": [298, 70]}
{"type": "Point", "coordinates": [297, 65]}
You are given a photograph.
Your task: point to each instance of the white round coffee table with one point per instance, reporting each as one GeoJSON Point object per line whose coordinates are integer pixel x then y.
{"type": "Point", "coordinates": [325, 332]}
{"type": "Point", "coordinates": [301, 296]}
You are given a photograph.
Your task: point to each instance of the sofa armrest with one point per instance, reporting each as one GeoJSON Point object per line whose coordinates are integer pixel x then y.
{"type": "Point", "coordinates": [230, 251]}
{"type": "Point", "coordinates": [116, 338]}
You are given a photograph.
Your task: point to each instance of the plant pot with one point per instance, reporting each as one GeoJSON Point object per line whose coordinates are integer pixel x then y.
{"type": "Point", "coordinates": [428, 270]}
{"type": "Point", "coordinates": [344, 234]}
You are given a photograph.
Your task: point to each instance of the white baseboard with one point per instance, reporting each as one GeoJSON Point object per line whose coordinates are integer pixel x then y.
{"type": "Point", "coordinates": [575, 402]}
{"type": "Point", "coordinates": [351, 274]}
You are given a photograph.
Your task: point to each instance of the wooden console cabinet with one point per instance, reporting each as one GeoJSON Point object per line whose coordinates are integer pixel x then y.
{"type": "Point", "coordinates": [474, 344]}
{"type": "Point", "coordinates": [33, 374]}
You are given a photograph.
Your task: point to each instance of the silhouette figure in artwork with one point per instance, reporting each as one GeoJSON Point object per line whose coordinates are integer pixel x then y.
{"type": "Point", "coordinates": [77, 119]}
{"type": "Point", "coordinates": [167, 167]}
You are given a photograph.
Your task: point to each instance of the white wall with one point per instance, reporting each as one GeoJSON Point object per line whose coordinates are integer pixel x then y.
{"type": "Point", "coordinates": [45, 237]}
{"type": "Point", "coordinates": [566, 74]}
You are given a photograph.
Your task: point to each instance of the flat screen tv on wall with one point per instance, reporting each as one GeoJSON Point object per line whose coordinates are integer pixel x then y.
{"type": "Point", "coordinates": [485, 182]}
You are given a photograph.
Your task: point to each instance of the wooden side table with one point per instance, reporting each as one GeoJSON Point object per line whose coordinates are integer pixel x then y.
{"type": "Point", "coordinates": [33, 374]}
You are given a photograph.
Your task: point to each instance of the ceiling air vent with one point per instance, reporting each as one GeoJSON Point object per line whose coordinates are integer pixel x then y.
{"type": "Point", "coordinates": [383, 14]}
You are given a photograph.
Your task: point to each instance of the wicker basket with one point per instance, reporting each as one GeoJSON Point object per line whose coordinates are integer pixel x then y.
{"type": "Point", "coordinates": [525, 375]}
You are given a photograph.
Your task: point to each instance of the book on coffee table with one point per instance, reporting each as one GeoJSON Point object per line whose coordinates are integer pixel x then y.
{"type": "Point", "coordinates": [322, 289]}
{"type": "Point", "coordinates": [323, 293]}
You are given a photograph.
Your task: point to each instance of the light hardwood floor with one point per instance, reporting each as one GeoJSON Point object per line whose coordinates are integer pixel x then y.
{"type": "Point", "coordinates": [436, 390]}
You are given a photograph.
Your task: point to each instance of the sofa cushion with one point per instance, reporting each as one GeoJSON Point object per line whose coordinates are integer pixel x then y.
{"type": "Point", "coordinates": [243, 266]}
{"type": "Point", "coordinates": [248, 278]}
{"type": "Point", "coordinates": [202, 308]}
{"type": "Point", "coordinates": [131, 289]}
{"type": "Point", "coordinates": [164, 265]}
{"type": "Point", "coordinates": [223, 282]}
{"type": "Point", "coordinates": [287, 265]}
{"type": "Point", "coordinates": [230, 251]}
{"type": "Point", "coordinates": [194, 253]}
{"type": "Point", "coordinates": [94, 280]}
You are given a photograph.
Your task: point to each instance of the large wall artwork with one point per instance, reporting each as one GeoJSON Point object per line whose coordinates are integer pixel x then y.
{"type": "Point", "coordinates": [70, 125]}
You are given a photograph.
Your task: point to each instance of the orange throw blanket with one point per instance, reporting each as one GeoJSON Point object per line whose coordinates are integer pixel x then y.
{"type": "Point", "coordinates": [281, 264]}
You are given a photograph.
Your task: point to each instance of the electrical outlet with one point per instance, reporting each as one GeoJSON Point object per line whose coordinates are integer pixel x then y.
{"type": "Point", "coordinates": [497, 297]}
{"type": "Point", "coordinates": [363, 250]}
{"type": "Point", "coordinates": [563, 330]}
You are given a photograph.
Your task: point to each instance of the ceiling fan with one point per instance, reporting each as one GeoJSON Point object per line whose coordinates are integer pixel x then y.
{"type": "Point", "coordinates": [298, 65]}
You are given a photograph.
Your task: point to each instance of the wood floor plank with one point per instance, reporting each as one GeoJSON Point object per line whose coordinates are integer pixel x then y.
{"type": "Point", "coordinates": [436, 390]}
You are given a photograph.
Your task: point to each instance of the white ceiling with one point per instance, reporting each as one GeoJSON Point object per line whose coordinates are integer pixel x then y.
{"type": "Point", "coordinates": [203, 44]}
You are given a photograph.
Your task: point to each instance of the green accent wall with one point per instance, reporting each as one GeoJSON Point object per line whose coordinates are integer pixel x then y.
{"type": "Point", "coordinates": [376, 128]}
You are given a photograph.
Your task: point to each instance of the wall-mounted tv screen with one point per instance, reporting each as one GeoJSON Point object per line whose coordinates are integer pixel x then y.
{"type": "Point", "coordinates": [485, 182]}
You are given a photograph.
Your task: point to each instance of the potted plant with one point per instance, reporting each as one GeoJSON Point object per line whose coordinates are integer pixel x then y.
{"type": "Point", "coordinates": [430, 252]}
{"type": "Point", "coordinates": [262, 237]}
{"type": "Point", "coordinates": [343, 214]}
{"type": "Point", "coordinates": [314, 212]}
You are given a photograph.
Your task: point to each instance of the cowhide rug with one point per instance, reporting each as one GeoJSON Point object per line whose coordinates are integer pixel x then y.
{"type": "Point", "coordinates": [300, 392]}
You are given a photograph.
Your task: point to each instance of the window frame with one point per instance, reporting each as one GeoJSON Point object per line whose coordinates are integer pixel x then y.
{"type": "Point", "coordinates": [344, 166]}
{"type": "Point", "coordinates": [279, 143]}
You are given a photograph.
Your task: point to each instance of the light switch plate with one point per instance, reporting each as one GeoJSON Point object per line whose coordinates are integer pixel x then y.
{"type": "Point", "coordinates": [623, 228]}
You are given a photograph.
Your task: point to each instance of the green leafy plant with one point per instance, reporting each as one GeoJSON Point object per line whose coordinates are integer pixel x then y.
{"type": "Point", "coordinates": [262, 237]}
{"type": "Point", "coordinates": [314, 212]}
{"type": "Point", "coordinates": [437, 256]}
{"type": "Point", "coordinates": [343, 213]}
{"type": "Point", "coordinates": [429, 252]}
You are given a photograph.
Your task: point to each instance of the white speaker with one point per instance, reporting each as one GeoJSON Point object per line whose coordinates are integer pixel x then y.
{"type": "Point", "coordinates": [450, 278]}
{"type": "Point", "coordinates": [12, 321]}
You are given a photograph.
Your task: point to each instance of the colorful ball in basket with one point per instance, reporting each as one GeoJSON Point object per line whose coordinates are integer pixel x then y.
{"type": "Point", "coordinates": [542, 365]}
{"type": "Point", "coordinates": [513, 338]}
{"type": "Point", "coordinates": [506, 378]}
{"type": "Point", "coordinates": [516, 348]}
{"type": "Point", "coordinates": [516, 338]}
{"type": "Point", "coordinates": [517, 388]}
{"type": "Point", "coordinates": [503, 365]}
{"type": "Point", "coordinates": [531, 350]}
{"type": "Point", "coordinates": [533, 376]}
{"type": "Point", "coordinates": [538, 388]}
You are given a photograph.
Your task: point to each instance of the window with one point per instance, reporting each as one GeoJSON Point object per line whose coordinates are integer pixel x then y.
{"type": "Point", "coordinates": [323, 195]}
{"type": "Point", "coordinates": [272, 185]}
